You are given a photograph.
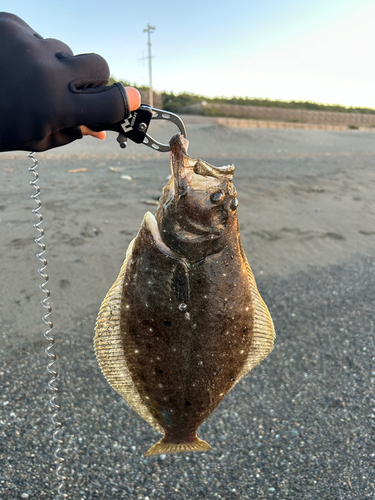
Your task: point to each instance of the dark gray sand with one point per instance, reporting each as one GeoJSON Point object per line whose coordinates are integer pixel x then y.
{"type": "Point", "coordinates": [301, 424]}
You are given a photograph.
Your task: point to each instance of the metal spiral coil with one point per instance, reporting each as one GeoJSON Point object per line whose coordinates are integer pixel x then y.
{"type": "Point", "coordinates": [53, 404]}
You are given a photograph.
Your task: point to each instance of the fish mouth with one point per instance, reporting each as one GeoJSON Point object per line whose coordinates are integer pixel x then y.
{"type": "Point", "coordinates": [178, 143]}
{"type": "Point", "coordinates": [183, 170]}
{"type": "Point", "coordinates": [190, 223]}
{"type": "Point", "coordinates": [183, 167]}
{"type": "Point", "coordinates": [181, 164]}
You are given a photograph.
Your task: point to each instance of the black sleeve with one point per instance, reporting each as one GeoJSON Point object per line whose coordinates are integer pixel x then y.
{"type": "Point", "coordinates": [46, 92]}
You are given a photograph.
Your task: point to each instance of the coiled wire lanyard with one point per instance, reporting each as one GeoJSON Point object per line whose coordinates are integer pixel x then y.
{"type": "Point", "coordinates": [135, 127]}
{"type": "Point", "coordinates": [53, 400]}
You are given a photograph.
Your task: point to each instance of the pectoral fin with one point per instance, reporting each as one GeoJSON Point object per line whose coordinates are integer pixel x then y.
{"type": "Point", "coordinates": [180, 281]}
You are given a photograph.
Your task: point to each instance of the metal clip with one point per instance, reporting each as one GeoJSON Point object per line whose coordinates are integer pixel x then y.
{"type": "Point", "coordinates": [135, 127]}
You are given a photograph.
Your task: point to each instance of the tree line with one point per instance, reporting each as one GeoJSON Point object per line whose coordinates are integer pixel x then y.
{"type": "Point", "coordinates": [173, 102]}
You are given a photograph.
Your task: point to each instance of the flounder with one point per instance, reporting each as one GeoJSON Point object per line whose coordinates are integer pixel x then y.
{"type": "Point", "coordinates": [184, 321]}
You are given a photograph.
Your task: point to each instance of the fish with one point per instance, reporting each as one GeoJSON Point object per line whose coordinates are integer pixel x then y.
{"type": "Point", "coordinates": [184, 321]}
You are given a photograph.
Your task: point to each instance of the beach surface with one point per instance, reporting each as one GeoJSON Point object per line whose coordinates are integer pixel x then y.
{"type": "Point", "coordinates": [301, 424]}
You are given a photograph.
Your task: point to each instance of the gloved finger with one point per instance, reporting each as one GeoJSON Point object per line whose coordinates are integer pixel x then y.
{"type": "Point", "coordinates": [28, 33]}
{"type": "Point", "coordinates": [87, 70]}
{"type": "Point", "coordinates": [10, 19]}
{"type": "Point", "coordinates": [56, 46]}
{"type": "Point", "coordinates": [104, 105]}
{"type": "Point", "coordinates": [54, 140]}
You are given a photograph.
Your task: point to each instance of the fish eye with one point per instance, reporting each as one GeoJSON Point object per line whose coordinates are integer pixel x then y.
{"type": "Point", "coordinates": [216, 197]}
{"type": "Point", "coordinates": [234, 204]}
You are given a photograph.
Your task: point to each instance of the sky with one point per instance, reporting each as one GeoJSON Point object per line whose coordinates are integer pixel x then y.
{"type": "Point", "coordinates": [314, 50]}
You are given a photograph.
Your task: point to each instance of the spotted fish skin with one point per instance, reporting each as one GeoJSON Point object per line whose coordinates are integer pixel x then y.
{"type": "Point", "coordinates": [184, 321]}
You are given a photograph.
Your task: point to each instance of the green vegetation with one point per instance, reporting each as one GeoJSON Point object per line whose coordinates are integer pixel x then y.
{"type": "Point", "coordinates": [126, 83]}
{"type": "Point", "coordinates": [173, 102]}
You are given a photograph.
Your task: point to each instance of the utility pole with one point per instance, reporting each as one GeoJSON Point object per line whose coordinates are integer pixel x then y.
{"type": "Point", "coordinates": [150, 29]}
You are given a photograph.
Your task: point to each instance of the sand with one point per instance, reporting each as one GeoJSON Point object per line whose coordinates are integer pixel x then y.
{"type": "Point", "coordinates": [301, 425]}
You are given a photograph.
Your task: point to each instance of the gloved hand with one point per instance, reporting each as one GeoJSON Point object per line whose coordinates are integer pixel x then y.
{"type": "Point", "coordinates": [46, 92]}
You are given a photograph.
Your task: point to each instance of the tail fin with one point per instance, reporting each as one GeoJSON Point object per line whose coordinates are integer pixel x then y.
{"type": "Point", "coordinates": [162, 447]}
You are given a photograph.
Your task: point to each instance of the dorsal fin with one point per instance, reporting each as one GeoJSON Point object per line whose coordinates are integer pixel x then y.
{"type": "Point", "coordinates": [263, 331]}
{"type": "Point", "coordinates": [109, 349]}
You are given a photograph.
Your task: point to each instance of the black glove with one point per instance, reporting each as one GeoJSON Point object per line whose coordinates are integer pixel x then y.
{"type": "Point", "coordinates": [46, 92]}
